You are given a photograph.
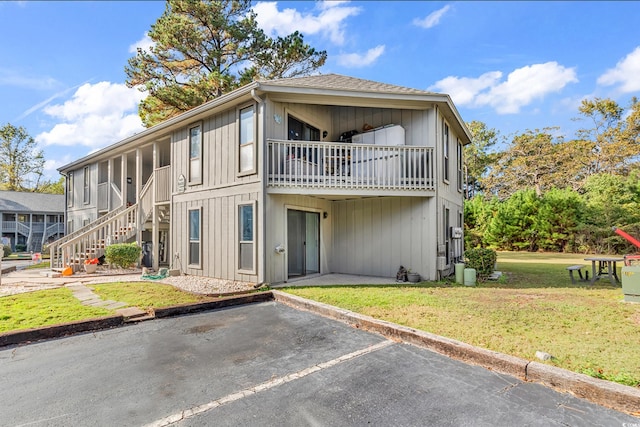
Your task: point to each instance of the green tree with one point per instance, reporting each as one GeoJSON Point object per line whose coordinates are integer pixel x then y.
{"type": "Point", "coordinates": [203, 49]}
{"type": "Point", "coordinates": [21, 162]}
{"type": "Point", "coordinates": [478, 159]}
{"type": "Point", "coordinates": [513, 226]}
{"type": "Point", "coordinates": [557, 221]}
{"type": "Point", "coordinates": [52, 187]}
{"type": "Point", "coordinates": [532, 160]}
{"type": "Point", "coordinates": [614, 136]}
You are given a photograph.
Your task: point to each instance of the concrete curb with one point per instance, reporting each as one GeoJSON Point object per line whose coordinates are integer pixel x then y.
{"type": "Point", "coordinates": [7, 270]}
{"type": "Point", "coordinates": [58, 331]}
{"type": "Point", "coordinates": [605, 393]}
{"type": "Point", "coordinates": [229, 301]}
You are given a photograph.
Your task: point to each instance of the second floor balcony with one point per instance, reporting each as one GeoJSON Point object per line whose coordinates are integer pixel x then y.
{"type": "Point", "coordinates": [328, 168]}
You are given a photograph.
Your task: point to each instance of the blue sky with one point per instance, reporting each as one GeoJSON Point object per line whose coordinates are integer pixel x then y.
{"type": "Point", "coordinates": [513, 65]}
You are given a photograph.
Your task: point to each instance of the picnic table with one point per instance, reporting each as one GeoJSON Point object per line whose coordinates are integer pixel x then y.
{"type": "Point", "coordinates": [602, 266]}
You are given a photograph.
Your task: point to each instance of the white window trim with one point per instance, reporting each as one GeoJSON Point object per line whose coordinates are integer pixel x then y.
{"type": "Point", "coordinates": [460, 163]}
{"type": "Point", "coordinates": [199, 264]}
{"type": "Point", "coordinates": [253, 169]}
{"type": "Point", "coordinates": [252, 271]}
{"type": "Point", "coordinates": [86, 185]}
{"type": "Point", "coordinates": [446, 172]}
{"type": "Point", "coordinates": [192, 126]}
{"type": "Point", "coordinates": [70, 189]}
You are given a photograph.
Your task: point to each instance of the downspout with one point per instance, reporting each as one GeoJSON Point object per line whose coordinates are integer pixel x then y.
{"type": "Point", "coordinates": [260, 145]}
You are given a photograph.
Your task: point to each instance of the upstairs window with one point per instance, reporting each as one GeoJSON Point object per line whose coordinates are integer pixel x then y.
{"type": "Point", "coordinates": [86, 189]}
{"type": "Point", "coordinates": [195, 155]}
{"type": "Point", "coordinates": [70, 189]}
{"type": "Point", "coordinates": [445, 152]}
{"type": "Point", "coordinates": [246, 163]}
{"type": "Point", "coordinates": [459, 159]}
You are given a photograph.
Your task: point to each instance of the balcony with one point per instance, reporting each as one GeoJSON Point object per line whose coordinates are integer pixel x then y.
{"type": "Point", "coordinates": [328, 168]}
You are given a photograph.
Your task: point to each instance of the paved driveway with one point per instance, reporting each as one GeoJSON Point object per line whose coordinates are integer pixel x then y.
{"type": "Point", "coordinates": [266, 365]}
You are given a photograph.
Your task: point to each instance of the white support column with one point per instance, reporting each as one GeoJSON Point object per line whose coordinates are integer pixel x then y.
{"type": "Point", "coordinates": [139, 185]}
{"type": "Point", "coordinates": [155, 230]}
{"type": "Point", "coordinates": [124, 188]}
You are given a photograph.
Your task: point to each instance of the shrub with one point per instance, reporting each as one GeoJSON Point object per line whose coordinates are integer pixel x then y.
{"type": "Point", "coordinates": [6, 251]}
{"type": "Point", "coordinates": [123, 255]}
{"type": "Point", "coordinates": [21, 248]}
{"type": "Point", "coordinates": [482, 259]}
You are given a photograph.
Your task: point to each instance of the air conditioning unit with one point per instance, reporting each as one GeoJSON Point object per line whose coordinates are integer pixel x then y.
{"type": "Point", "coordinates": [456, 232]}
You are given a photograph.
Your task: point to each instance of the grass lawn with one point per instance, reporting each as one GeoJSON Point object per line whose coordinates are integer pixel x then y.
{"type": "Point", "coordinates": [55, 306]}
{"type": "Point", "coordinates": [534, 307]}
{"type": "Point", "coordinates": [42, 308]}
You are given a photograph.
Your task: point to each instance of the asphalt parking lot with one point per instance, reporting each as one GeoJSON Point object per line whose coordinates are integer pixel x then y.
{"type": "Point", "coordinates": [266, 364]}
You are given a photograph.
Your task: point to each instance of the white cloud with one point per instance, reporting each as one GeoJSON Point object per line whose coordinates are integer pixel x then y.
{"type": "Point", "coordinates": [354, 60]}
{"type": "Point", "coordinates": [432, 19]}
{"type": "Point", "coordinates": [625, 73]}
{"type": "Point", "coordinates": [329, 20]}
{"type": "Point", "coordinates": [96, 116]}
{"type": "Point", "coordinates": [521, 88]}
{"type": "Point", "coordinates": [145, 43]}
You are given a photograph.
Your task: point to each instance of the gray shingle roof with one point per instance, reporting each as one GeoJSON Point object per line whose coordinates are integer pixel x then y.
{"type": "Point", "coordinates": [15, 201]}
{"type": "Point", "coordinates": [345, 83]}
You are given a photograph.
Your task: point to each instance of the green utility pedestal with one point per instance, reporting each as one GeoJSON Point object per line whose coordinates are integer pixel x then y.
{"type": "Point", "coordinates": [631, 283]}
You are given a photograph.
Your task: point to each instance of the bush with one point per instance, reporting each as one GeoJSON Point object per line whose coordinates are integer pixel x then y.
{"type": "Point", "coordinates": [482, 259]}
{"type": "Point", "coordinates": [21, 248]}
{"type": "Point", "coordinates": [123, 255]}
{"type": "Point", "coordinates": [6, 251]}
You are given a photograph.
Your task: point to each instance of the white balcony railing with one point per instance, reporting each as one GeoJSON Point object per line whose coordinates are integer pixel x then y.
{"type": "Point", "coordinates": [349, 166]}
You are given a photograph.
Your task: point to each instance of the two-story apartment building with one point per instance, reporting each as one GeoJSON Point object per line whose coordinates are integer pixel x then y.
{"type": "Point", "coordinates": [283, 179]}
{"type": "Point", "coordinates": [30, 220]}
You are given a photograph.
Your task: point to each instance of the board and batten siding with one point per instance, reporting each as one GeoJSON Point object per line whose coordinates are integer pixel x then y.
{"type": "Point", "coordinates": [219, 194]}
{"type": "Point", "coordinates": [375, 236]}
{"type": "Point", "coordinates": [276, 232]}
{"type": "Point", "coordinates": [316, 115]}
{"type": "Point", "coordinates": [219, 233]}
{"type": "Point", "coordinates": [220, 151]}
{"type": "Point", "coordinates": [416, 123]}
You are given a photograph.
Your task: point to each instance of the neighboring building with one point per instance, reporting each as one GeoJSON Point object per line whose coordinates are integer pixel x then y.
{"type": "Point", "coordinates": [30, 220]}
{"type": "Point", "coordinates": [278, 180]}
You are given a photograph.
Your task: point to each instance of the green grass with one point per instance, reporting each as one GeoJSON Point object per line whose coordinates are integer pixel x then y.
{"type": "Point", "coordinates": [43, 264]}
{"type": "Point", "coordinates": [146, 294]}
{"type": "Point", "coordinates": [42, 308]}
{"type": "Point", "coordinates": [56, 306]}
{"type": "Point", "coordinates": [536, 307]}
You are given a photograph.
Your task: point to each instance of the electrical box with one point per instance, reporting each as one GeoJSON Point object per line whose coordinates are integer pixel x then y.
{"type": "Point", "coordinates": [456, 232]}
{"type": "Point", "coordinates": [631, 283]}
{"type": "Point", "coordinates": [441, 263]}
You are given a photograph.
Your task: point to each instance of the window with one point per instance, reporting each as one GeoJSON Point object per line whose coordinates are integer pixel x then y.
{"type": "Point", "coordinates": [247, 140]}
{"type": "Point", "coordinates": [70, 189]}
{"type": "Point", "coordinates": [447, 234]}
{"type": "Point", "coordinates": [459, 162]}
{"type": "Point", "coordinates": [86, 177]}
{"type": "Point", "coordinates": [195, 155]}
{"type": "Point", "coordinates": [445, 151]}
{"type": "Point", "coordinates": [194, 237]}
{"type": "Point", "coordinates": [246, 233]}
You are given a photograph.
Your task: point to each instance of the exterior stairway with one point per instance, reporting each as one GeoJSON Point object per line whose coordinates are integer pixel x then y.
{"type": "Point", "coordinates": [118, 226]}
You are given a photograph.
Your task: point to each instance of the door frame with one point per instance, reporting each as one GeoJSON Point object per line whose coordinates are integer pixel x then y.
{"type": "Point", "coordinates": [287, 208]}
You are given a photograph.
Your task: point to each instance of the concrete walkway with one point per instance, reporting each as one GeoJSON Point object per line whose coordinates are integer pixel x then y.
{"type": "Point", "coordinates": [87, 297]}
{"type": "Point", "coordinates": [337, 280]}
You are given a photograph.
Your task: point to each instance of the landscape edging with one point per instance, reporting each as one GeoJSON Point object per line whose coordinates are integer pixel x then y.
{"type": "Point", "coordinates": [605, 393]}
{"type": "Point", "coordinates": [61, 330]}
